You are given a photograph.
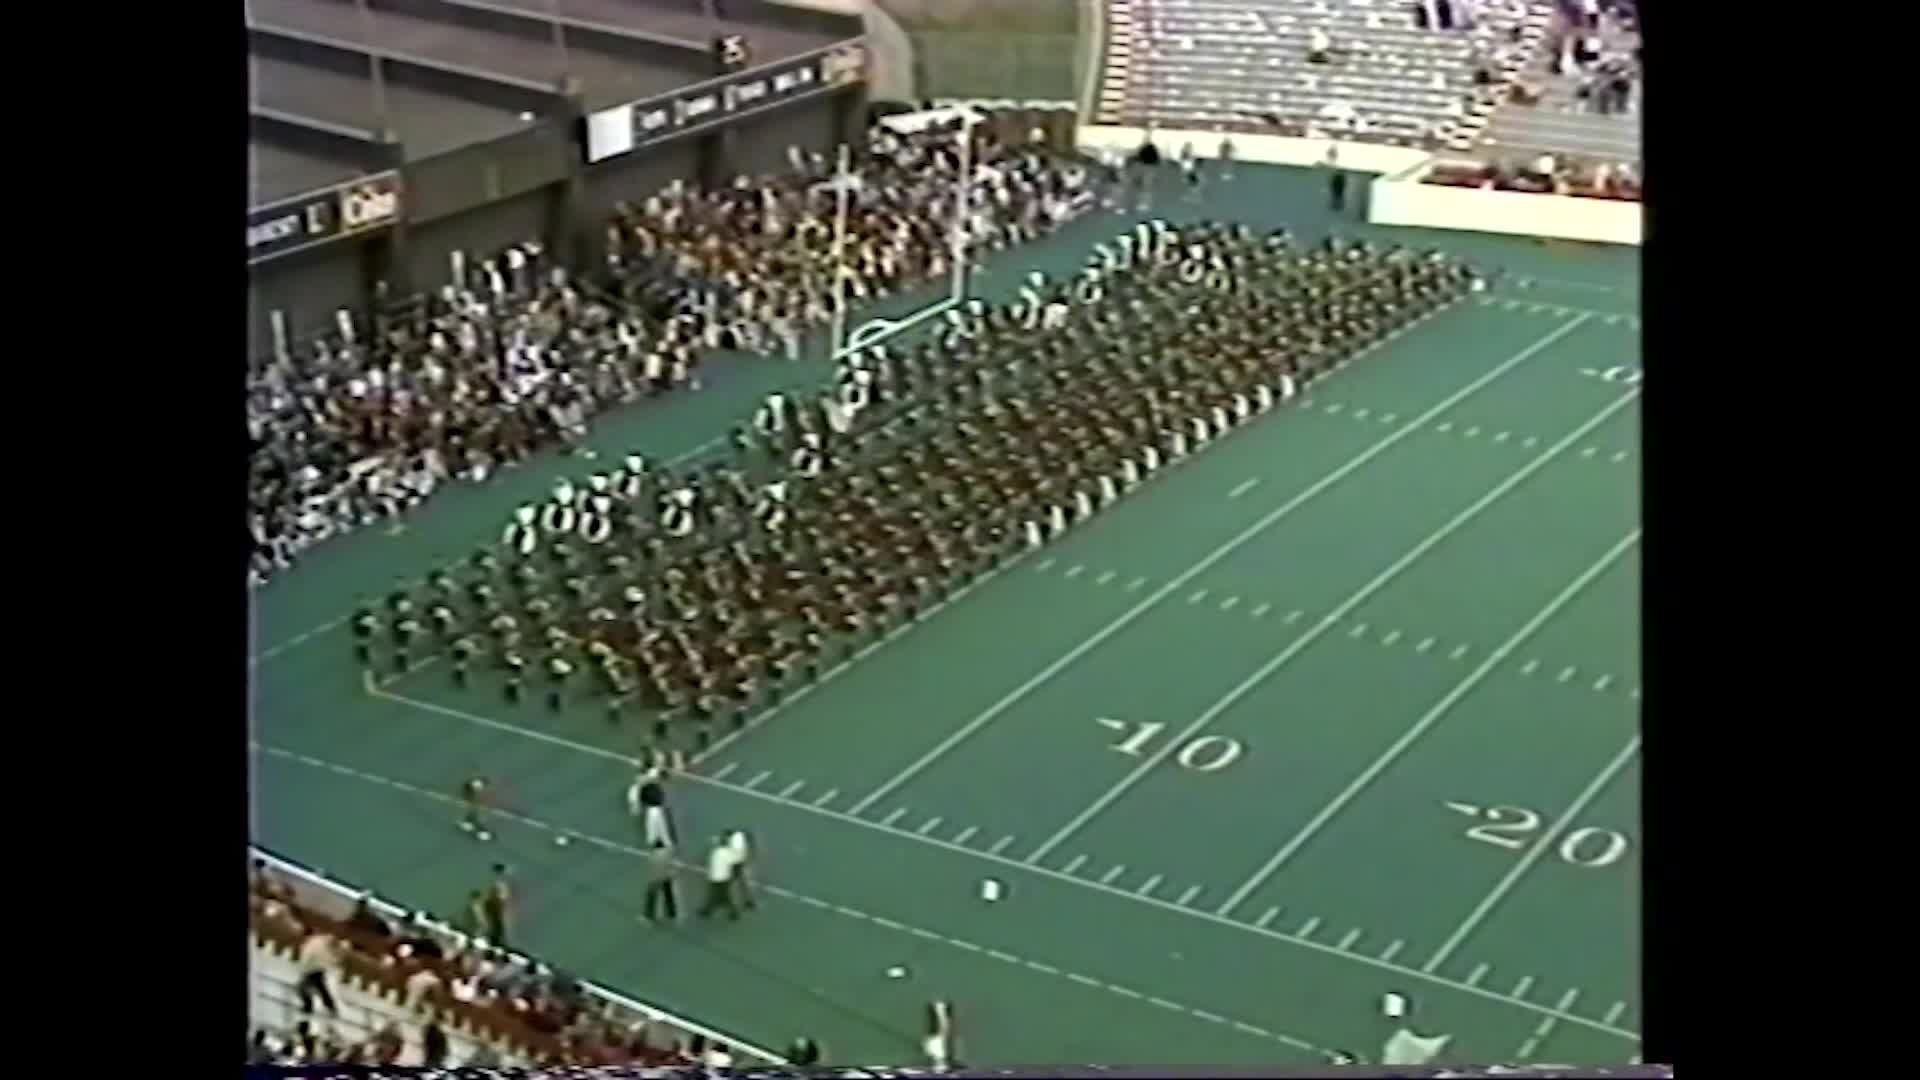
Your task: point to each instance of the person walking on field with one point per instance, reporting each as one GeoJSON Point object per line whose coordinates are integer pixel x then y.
{"type": "Point", "coordinates": [722, 862]}
{"type": "Point", "coordinates": [661, 900]}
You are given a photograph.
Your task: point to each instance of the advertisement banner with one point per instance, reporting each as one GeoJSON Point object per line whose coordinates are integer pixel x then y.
{"type": "Point", "coordinates": [371, 202]}
{"type": "Point", "coordinates": [612, 132]}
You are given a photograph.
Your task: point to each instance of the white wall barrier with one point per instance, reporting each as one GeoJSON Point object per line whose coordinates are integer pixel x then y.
{"type": "Point", "coordinates": [1405, 200]}
{"type": "Point", "coordinates": [1267, 149]}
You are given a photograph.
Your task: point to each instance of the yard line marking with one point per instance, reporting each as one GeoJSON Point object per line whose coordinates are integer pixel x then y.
{"type": "Point", "coordinates": [1127, 617]}
{"type": "Point", "coordinates": [1074, 865]}
{"type": "Point", "coordinates": [1242, 488]}
{"type": "Point", "coordinates": [1425, 644]}
{"type": "Point", "coordinates": [1136, 583]}
{"type": "Point", "coordinates": [1614, 1012]}
{"type": "Point", "coordinates": [1147, 889]}
{"type": "Point", "coordinates": [1359, 630]}
{"type": "Point", "coordinates": [1107, 878]}
{"type": "Point", "coordinates": [1502, 437]}
{"type": "Point", "coordinates": [1084, 981]}
{"type": "Point", "coordinates": [1546, 1027]}
{"type": "Point", "coordinates": [1448, 426]}
{"type": "Point", "coordinates": [1261, 611]}
{"type": "Point", "coordinates": [1392, 636]}
{"type": "Point", "coordinates": [1043, 564]}
{"type": "Point", "coordinates": [930, 825]}
{"type": "Point", "coordinates": [1000, 844]}
{"type": "Point", "coordinates": [966, 834]}
{"type": "Point", "coordinates": [1187, 897]}
{"type": "Point", "coordinates": [1124, 992]}
{"type": "Point", "coordinates": [1198, 595]}
{"type": "Point", "coordinates": [1346, 943]}
{"type": "Point", "coordinates": [1048, 968]}
{"type": "Point", "coordinates": [1347, 606]}
{"type": "Point", "coordinates": [1472, 432]}
{"type": "Point", "coordinates": [1227, 604]}
{"type": "Point", "coordinates": [1006, 956]}
{"type": "Point", "coordinates": [895, 816]}
{"type": "Point", "coordinates": [1530, 442]}
{"type": "Point", "coordinates": [1634, 693]}
{"type": "Point", "coordinates": [787, 792]}
{"type": "Point", "coordinates": [824, 799]}
{"type": "Point", "coordinates": [1334, 407]}
{"type": "Point", "coordinates": [1458, 652]}
{"type": "Point", "coordinates": [1104, 578]}
{"type": "Point", "coordinates": [1388, 418]}
{"type": "Point", "coordinates": [1267, 918]}
{"type": "Point", "coordinates": [1479, 973]}
{"type": "Point", "coordinates": [1588, 452]}
{"type": "Point", "coordinates": [1618, 456]}
{"type": "Point", "coordinates": [1603, 682]}
{"type": "Point", "coordinates": [721, 773]}
{"type": "Point", "coordinates": [1360, 414]}
{"type": "Point", "coordinates": [1530, 667]}
{"type": "Point", "coordinates": [761, 776]}
{"type": "Point", "coordinates": [1307, 929]}
{"type": "Point", "coordinates": [1420, 726]}
{"type": "Point", "coordinates": [1294, 616]}
{"type": "Point", "coordinates": [1075, 570]}
{"type": "Point", "coordinates": [335, 623]}
{"type": "Point", "coordinates": [1566, 673]}
{"type": "Point", "coordinates": [1393, 950]}
{"type": "Point", "coordinates": [1519, 870]}
{"type": "Point", "coordinates": [1520, 988]}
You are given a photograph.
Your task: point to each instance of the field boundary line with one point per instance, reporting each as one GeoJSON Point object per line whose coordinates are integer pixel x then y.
{"type": "Point", "coordinates": [1013, 863]}
{"type": "Point", "coordinates": [1326, 623]}
{"type": "Point", "coordinates": [1173, 585]}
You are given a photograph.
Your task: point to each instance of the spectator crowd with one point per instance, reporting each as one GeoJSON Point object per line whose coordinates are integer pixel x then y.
{"type": "Point", "coordinates": [1548, 174]}
{"type": "Point", "coordinates": [511, 1010]}
{"type": "Point", "coordinates": [518, 353]}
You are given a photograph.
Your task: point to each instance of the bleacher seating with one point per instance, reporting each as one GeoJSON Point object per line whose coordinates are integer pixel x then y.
{"type": "Point", "coordinates": [1211, 64]}
{"type": "Point", "coordinates": [387, 994]}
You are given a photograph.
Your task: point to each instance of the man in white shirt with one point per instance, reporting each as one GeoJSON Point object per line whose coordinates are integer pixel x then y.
{"type": "Point", "coordinates": [722, 862]}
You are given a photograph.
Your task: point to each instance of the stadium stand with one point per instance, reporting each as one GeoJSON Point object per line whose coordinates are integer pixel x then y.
{"type": "Point", "coordinates": [1314, 67]}
{"type": "Point", "coordinates": [406, 990]}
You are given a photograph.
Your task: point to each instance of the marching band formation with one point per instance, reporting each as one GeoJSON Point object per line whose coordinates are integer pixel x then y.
{"type": "Point", "coordinates": [840, 514]}
{"type": "Point", "coordinates": [516, 354]}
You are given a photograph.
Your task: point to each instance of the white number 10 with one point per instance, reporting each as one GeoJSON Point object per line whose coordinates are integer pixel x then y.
{"type": "Point", "coordinates": [1208, 753]}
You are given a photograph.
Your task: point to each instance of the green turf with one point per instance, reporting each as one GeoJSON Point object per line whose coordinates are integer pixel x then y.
{"type": "Point", "coordinates": [1374, 593]}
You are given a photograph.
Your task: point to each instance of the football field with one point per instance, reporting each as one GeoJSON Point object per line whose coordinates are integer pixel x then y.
{"type": "Point", "coordinates": [1346, 704]}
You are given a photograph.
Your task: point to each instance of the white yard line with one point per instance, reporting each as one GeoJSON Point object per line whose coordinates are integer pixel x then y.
{"type": "Point", "coordinates": [1327, 622]}
{"type": "Point", "coordinates": [1419, 727]}
{"type": "Point", "coordinates": [1127, 617]}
